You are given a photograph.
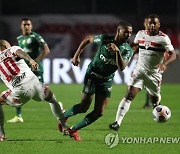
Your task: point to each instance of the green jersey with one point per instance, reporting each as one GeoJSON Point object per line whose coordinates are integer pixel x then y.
{"type": "Point", "coordinates": [32, 44]}
{"type": "Point", "coordinates": [104, 62]}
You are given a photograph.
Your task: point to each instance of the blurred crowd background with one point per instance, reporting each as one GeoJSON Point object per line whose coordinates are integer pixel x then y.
{"type": "Point", "coordinates": [63, 24]}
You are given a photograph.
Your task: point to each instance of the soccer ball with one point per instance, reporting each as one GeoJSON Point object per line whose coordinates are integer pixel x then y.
{"type": "Point", "coordinates": [161, 113]}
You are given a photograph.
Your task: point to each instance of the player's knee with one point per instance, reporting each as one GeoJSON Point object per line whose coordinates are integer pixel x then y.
{"type": "Point", "coordinates": [97, 114]}
{"type": "Point", "coordinates": [84, 105]}
{"type": "Point", "coordinates": [130, 96]}
{"type": "Point", "coordinates": [48, 95]}
{"type": "Point", "coordinates": [83, 108]}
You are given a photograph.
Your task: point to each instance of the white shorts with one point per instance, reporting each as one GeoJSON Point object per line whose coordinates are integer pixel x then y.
{"type": "Point", "coordinates": [21, 94]}
{"type": "Point", "coordinates": [151, 81]}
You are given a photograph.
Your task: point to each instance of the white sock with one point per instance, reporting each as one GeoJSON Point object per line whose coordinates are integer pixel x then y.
{"type": "Point", "coordinates": [57, 111]}
{"type": "Point", "coordinates": [122, 110]}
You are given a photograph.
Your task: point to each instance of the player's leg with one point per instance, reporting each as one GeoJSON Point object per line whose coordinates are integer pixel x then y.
{"type": "Point", "coordinates": [41, 92]}
{"type": "Point", "coordinates": [6, 97]}
{"type": "Point", "coordinates": [82, 107]}
{"type": "Point", "coordinates": [124, 106]}
{"type": "Point", "coordinates": [2, 133]}
{"type": "Point", "coordinates": [155, 99]}
{"type": "Point", "coordinates": [100, 104]}
{"type": "Point", "coordinates": [19, 112]}
{"type": "Point", "coordinates": [153, 88]}
{"type": "Point", "coordinates": [56, 108]}
{"type": "Point", "coordinates": [147, 101]}
{"type": "Point", "coordinates": [103, 92]}
{"type": "Point", "coordinates": [78, 108]}
{"type": "Point", "coordinates": [102, 89]}
{"type": "Point", "coordinates": [87, 96]}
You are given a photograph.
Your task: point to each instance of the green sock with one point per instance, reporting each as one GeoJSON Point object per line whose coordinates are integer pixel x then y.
{"type": "Point", "coordinates": [89, 119]}
{"type": "Point", "coordinates": [72, 111]}
{"type": "Point", "coordinates": [18, 111]}
{"type": "Point", "coordinates": [147, 99]}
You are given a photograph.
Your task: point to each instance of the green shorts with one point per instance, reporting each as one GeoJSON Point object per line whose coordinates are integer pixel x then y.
{"type": "Point", "coordinates": [95, 85]}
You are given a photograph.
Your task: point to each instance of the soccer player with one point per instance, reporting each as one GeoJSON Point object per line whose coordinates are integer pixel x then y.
{"type": "Point", "coordinates": [148, 103]}
{"type": "Point", "coordinates": [23, 84]}
{"type": "Point", "coordinates": [35, 46]}
{"type": "Point", "coordinates": [113, 52]}
{"type": "Point", "coordinates": [152, 44]}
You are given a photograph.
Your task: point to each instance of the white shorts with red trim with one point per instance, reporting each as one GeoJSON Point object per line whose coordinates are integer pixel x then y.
{"type": "Point", "coordinates": [23, 93]}
{"type": "Point", "coordinates": [151, 81]}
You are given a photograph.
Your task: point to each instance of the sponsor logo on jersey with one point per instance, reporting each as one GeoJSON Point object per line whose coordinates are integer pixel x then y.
{"type": "Point", "coordinates": [107, 61]}
{"type": "Point", "coordinates": [18, 79]}
{"type": "Point", "coordinates": [29, 40]}
{"type": "Point", "coordinates": [109, 89]}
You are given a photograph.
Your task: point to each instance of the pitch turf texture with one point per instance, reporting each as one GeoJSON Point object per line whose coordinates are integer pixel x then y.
{"type": "Point", "coordinates": [39, 134]}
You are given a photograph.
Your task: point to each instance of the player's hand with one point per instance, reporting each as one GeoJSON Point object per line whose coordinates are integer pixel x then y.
{"type": "Point", "coordinates": [112, 47]}
{"type": "Point", "coordinates": [162, 68]}
{"type": "Point", "coordinates": [34, 65]}
{"type": "Point", "coordinates": [75, 60]}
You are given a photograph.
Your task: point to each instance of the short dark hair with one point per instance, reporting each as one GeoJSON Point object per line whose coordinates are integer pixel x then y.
{"type": "Point", "coordinates": [124, 24]}
{"type": "Point", "coordinates": [153, 16]}
{"type": "Point", "coordinates": [25, 19]}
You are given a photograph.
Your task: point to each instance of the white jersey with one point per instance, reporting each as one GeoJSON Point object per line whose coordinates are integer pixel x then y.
{"type": "Point", "coordinates": [151, 50]}
{"type": "Point", "coordinates": [13, 70]}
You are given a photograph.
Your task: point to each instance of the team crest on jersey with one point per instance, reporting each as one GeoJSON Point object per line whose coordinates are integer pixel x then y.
{"type": "Point", "coordinates": [147, 44]}
{"type": "Point", "coordinates": [109, 89]}
{"type": "Point", "coordinates": [23, 41]}
{"type": "Point", "coordinates": [29, 40]}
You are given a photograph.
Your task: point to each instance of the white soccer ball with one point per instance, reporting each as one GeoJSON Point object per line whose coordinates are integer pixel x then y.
{"type": "Point", "coordinates": [161, 113]}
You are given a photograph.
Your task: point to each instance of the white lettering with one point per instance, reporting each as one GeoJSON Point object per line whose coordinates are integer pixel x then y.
{"type": "Point", "coordinates": [124, 139]}
{"type": "Point", "coordinates": [60, 71]}
{"type": "Point", "coordinates": [80, 73]}
{"type": "Point", "coordinates": [150, 140]}
{"type": "Point", "coordinates": [176, 140]}
{"type": "Point", "coordinates": [46, 75]}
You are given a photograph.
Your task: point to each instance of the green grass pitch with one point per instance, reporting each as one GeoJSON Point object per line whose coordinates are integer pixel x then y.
{"type": "Point", "coordinates": [39, 134]}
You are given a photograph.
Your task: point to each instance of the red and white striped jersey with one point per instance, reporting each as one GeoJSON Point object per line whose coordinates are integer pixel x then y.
{"type": "Point", "coordinates": [151, 49]}
{"type": "Point", "coordinates": [13, 70]}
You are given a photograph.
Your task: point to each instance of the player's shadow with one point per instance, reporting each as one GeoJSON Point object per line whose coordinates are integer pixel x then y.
{"type": "Point", "coordinates": [37, 140]}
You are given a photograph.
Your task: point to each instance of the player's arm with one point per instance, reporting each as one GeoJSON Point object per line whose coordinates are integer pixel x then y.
{"type": "Point", "coordinates": [171, 58]}
{"type": "Point", "coordinates": [172, 54]}
{"type": "Point", "coordinates": [76, 58]}
{"type": "Point", "coordinates": [25, 56]}
{"type": "Point", "coordinates": [121, 63]}
{"type": "Point", "coordinates": [135, 47]}
{"type": "Point", "coordinates": [44, 53]}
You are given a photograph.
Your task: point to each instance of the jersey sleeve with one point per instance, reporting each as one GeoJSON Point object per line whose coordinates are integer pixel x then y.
{"type": "Point", "coordinates": [98, 39]}
{"type": "Point", "coordinates": [40, 40]}
{"type": "Point", "coordinates": [15, 48]}
{"type": "Point", "coordinates": [126, 53]}
{"type": "Point", "coordinates": [167, 44]}
{"type": "Point", "coordinates": [137, 38]}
